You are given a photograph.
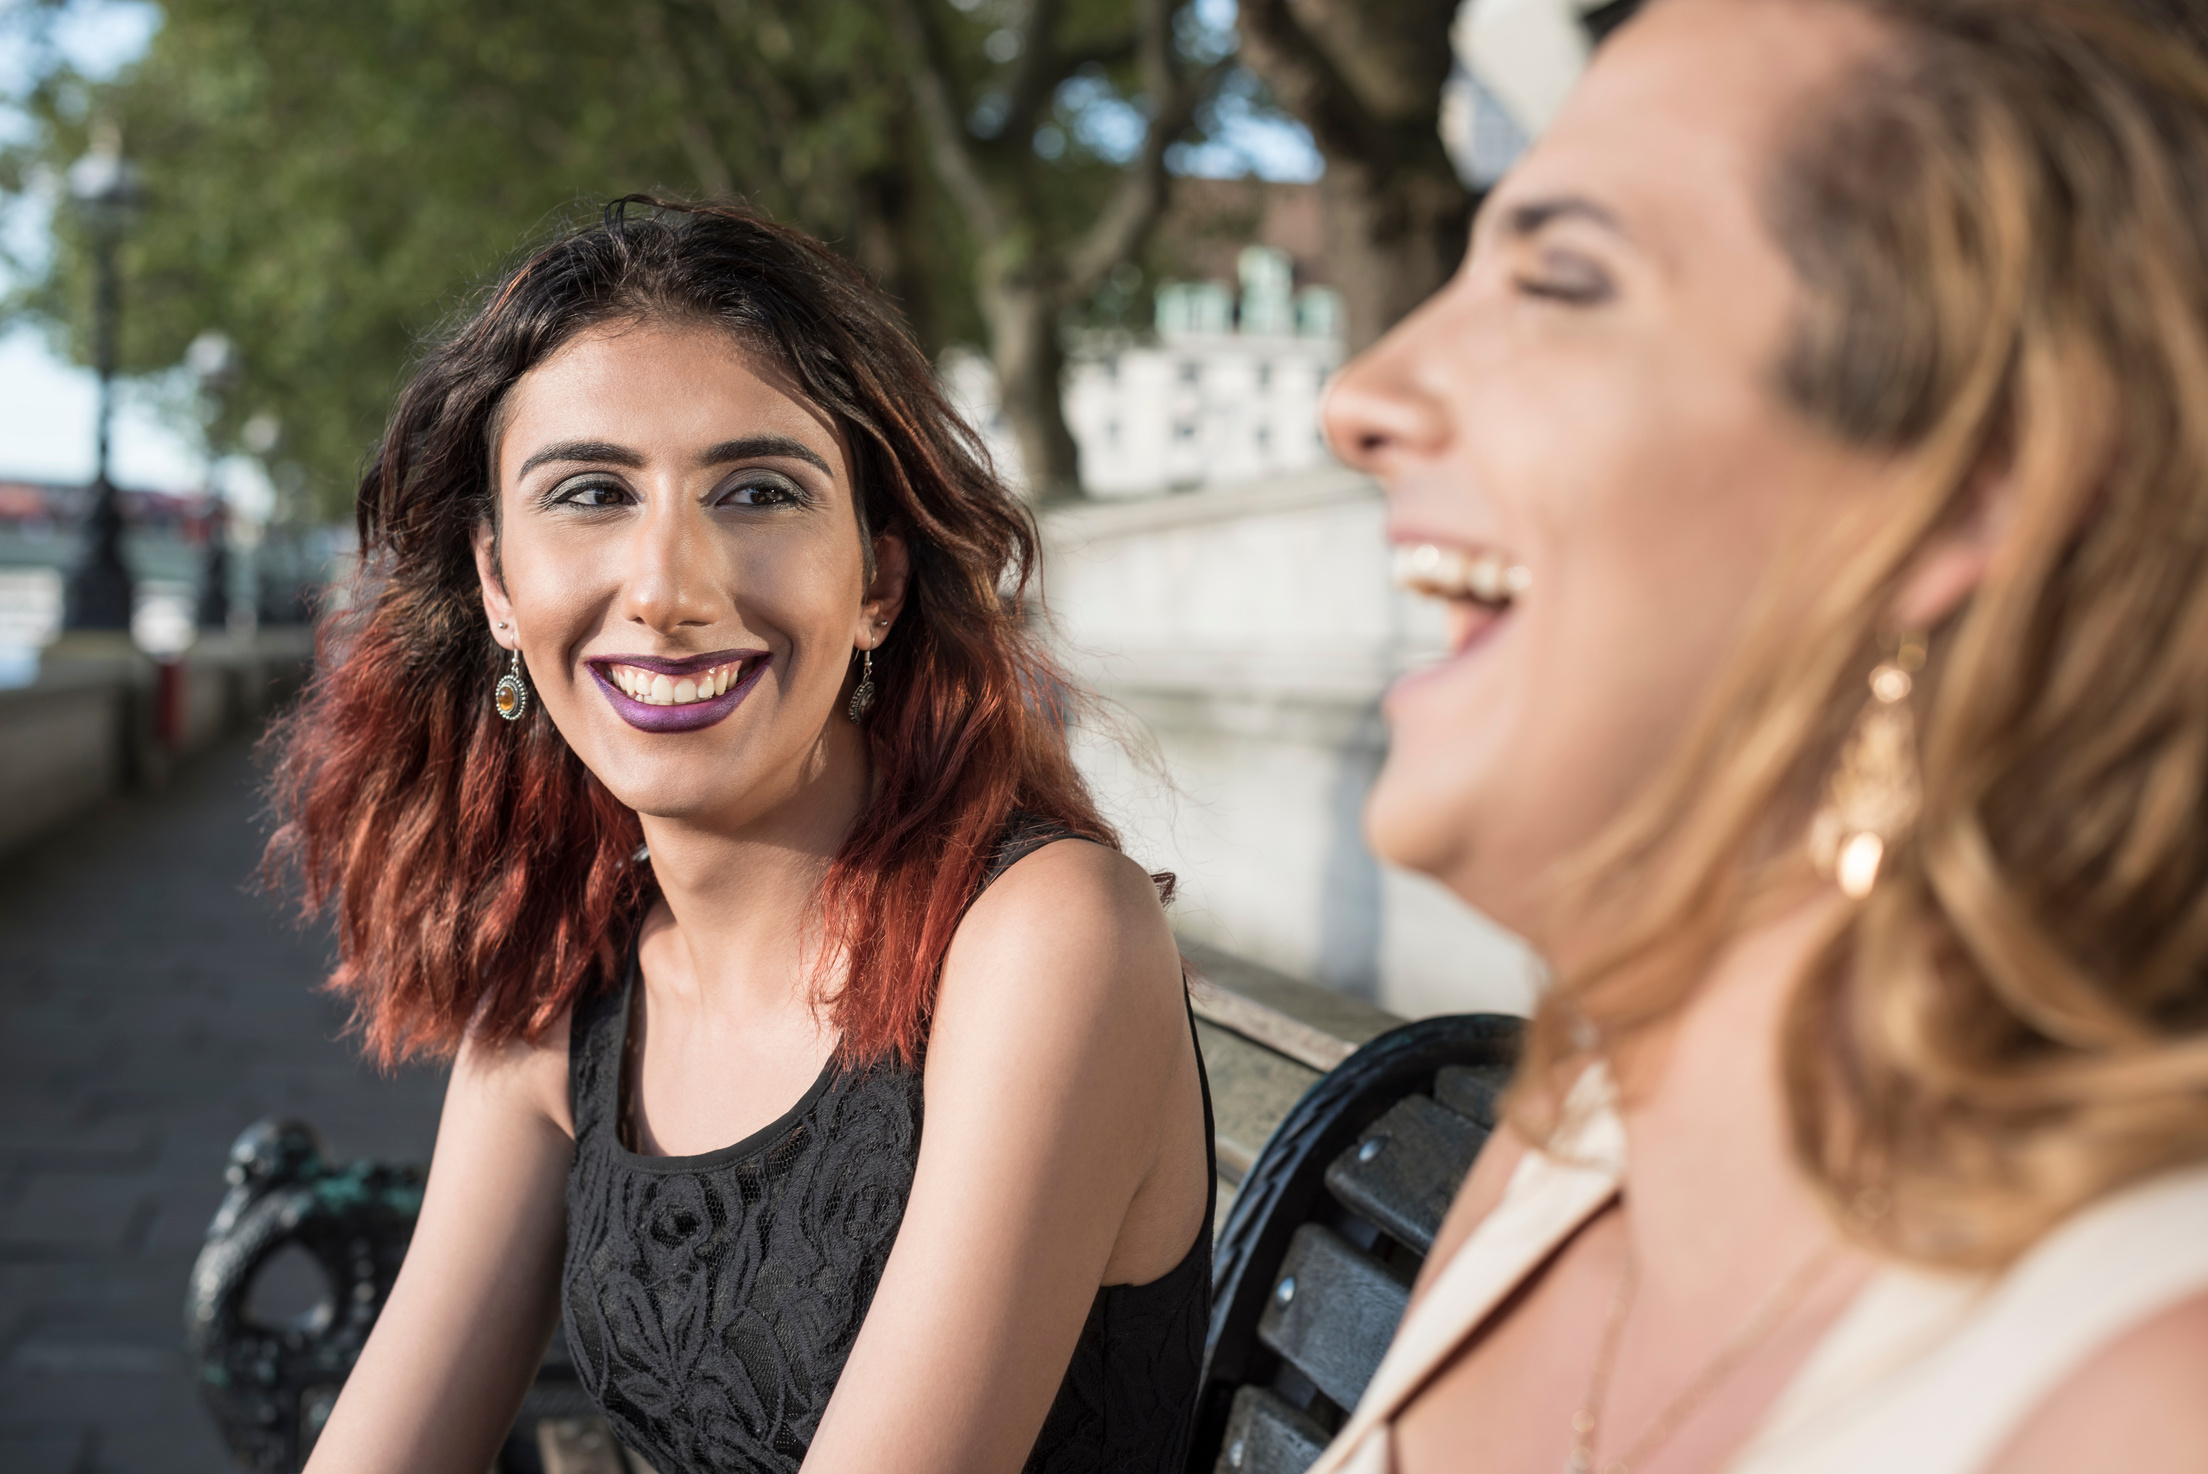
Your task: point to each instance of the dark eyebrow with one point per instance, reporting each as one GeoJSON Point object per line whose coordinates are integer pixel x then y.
{"type": "Point", "coordinates": [752, 447]}
{"type": "Point", "coordinates": [603, 451]}
{"type": "Point", "coordinates": [1532, 216]}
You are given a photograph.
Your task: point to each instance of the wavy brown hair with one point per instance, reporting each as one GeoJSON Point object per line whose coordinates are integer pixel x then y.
{"type": "Point", "coordinates": [481, 879]}
{"type": "Point", "coordinates": [2000, 226]}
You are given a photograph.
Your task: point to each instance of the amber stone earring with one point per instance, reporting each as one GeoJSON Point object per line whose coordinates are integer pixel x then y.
{"type": "Point", "coordinates": [511, 694]}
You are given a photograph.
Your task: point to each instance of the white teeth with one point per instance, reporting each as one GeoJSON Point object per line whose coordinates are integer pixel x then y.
{"type": "Point", "coordinates": [655, 689]}
{"type": "Point", "coordinates": [1452, 573]}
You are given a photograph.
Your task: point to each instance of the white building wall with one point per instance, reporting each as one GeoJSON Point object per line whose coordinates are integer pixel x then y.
{"type": "Point", "coordinates": [1191, 409]}
{"type": "Point", "coordinates": [1241, 637]}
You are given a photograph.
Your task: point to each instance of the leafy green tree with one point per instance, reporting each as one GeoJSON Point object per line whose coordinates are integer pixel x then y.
{"type": "Point", "coordinates": [326, 184]}
{"type": "Point", "coordinates": [1366, 77]}
{"type": "Point", "coordinates": [1054, 146]}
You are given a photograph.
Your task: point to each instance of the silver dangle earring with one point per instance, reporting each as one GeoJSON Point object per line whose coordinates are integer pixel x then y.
{"type": "Point", "coordinates": [862, 696]}
{"type": "Point", "coordinates": [511, 694]}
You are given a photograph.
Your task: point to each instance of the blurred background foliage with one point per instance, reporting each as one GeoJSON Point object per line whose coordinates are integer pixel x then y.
{"type": "Point", "coordinates": [328, 184]}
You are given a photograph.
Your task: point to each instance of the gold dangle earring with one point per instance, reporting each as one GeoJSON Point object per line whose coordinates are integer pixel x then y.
{"type": "Point", "coordinates": [1873, 795]}
{"type": "Point", "coordinates": [511, 694]}
{"type": "Point", "coordinates": [862, 695]}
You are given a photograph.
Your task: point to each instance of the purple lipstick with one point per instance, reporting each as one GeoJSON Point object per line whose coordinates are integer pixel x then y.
{"type": "Point", "coordinates": [655, 694]}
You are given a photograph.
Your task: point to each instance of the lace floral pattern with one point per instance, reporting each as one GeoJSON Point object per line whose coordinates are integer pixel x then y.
{"type": "Point", "coordinates": [712, 1301]}
{"type": "Point", "coordinates": [1129, 1398]}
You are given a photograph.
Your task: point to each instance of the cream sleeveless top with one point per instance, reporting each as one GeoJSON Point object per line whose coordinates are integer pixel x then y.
{"type": "Point", "coordinates": [1923, 1374]}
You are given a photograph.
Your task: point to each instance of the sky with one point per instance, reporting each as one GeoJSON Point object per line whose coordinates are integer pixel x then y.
{"type": "Point", "coordinates": [48, 406]}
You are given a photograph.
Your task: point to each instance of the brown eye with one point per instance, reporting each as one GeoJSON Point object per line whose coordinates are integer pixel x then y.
{"type": "Point", "coordinates": [762, 491]}
{"type": "Point", "coordinates": [593, 493]}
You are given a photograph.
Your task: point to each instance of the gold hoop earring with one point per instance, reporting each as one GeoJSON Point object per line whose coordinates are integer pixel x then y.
{"type": "Point", "coordinates": [511, 695]}
{"type": "Point", "coordinates": [1874, 793]}
{"type": "Point", "coordinates": [862, 696]}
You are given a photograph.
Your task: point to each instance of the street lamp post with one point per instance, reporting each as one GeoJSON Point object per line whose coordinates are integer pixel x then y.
{"type": "Point", "coordinates": [104, 189]}
{"type": "Point", "coordinates": [213, 360]}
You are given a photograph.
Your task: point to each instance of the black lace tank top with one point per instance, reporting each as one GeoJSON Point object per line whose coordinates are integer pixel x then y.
{"type": "Point", "coordinates": [711, 1300]}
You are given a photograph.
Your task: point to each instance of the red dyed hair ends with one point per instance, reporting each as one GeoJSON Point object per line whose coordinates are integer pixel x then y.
{"type": "Point", "coordinates": [481, 880]}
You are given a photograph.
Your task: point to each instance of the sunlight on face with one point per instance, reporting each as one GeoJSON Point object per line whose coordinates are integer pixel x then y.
{"type": "Point", "coordinates": [1590, 400]}
{"type": "Point", "coordinates": [680, 545]}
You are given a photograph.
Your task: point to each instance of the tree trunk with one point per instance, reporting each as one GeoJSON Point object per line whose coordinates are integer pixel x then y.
{"type": "Point", "coordinates": [1393, 236]}
{"type": "Point", "coordinates": [1030, 364]}
{"type": "Point", "coordinates": [1365, 76]}
{"type": "Point", "coordinates": [1027, 272]}
{"type": "Point", "coordinates": [886, 226]}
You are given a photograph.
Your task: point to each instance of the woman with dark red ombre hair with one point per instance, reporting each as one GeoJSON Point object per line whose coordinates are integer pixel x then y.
{"type": "Point", "coordinates": [687, 770]}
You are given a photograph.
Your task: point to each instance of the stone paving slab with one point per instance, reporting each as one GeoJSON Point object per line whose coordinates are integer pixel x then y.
{"type": "Point", "coordinates": [151, 1006]}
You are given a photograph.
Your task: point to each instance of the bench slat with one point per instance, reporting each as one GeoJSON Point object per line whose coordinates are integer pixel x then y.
{"type": "Point", "coordinates": [1267, 1436]}
{"type": "Point", "coordinates": [1331, 1312]}
{"type": "Point", "coordinates": [1405, 1167]}
{"type": "Point", "coordinates": [1252, 1087]}
{"type": "Point", "coordinates": [1473, 1091]}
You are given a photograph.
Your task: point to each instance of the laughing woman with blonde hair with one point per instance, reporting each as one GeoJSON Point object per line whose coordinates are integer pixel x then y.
{"type": "Point", "coordinates": [1813, 452]}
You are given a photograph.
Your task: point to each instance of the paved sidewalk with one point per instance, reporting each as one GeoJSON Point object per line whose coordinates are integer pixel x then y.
{"type": "Point", "coordinates": [150, 1008]}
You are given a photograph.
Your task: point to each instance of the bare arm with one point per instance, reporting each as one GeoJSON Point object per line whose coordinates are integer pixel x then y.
{"type": "Point", "coordinates": [456, 1345]}
{"type": "Point", "coordinates": [1061, 1095]}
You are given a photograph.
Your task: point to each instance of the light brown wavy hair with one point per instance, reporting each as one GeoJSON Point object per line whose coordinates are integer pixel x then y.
{"type": "Point", "coordinates": [2000, 226]}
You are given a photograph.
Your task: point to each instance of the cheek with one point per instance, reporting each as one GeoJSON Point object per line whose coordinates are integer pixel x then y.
{"type": "Point", "coordinates": [1653, 559]}
{"type": "Point", "coordinates": [803, 596]}
{"type": "Point", "coordinates": [550, 583]}
{"type": "Point", "coordinates": [1649, 516]}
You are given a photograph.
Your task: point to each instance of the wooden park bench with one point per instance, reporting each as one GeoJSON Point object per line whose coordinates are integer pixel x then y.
{"type": "Point", "coordinates": [1332, 1219]}
{"type": "Point", "coordinates": [1342, 1133]}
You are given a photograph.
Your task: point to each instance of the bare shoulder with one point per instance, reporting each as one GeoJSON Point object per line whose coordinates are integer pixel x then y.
{"type": "Point", "coordinates": [1063, 977]}
{"type": "Point", "coordinates": [519, 1077]}
{"type": "Point", "coordinates": [2134, 1405]}
{"type": "Point", "coordinates": [1079, 914]}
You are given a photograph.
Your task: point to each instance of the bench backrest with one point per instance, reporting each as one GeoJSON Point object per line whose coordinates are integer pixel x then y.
{"type": "Point", "coordinates": [1329, 1228]}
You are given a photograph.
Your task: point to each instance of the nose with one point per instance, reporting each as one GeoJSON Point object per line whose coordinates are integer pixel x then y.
{"type": "Point", "coordinates": [670, 584]}
{"type": "Point", "coordinates": [1379, 411]}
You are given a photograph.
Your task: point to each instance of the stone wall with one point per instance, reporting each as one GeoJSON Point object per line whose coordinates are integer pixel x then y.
{"type": "Point", "coordinates": [61, 749]}
{"type": "Point", "coordinates": [93, 723]}
{"type": "Point", "coordinates": [1241, 638]}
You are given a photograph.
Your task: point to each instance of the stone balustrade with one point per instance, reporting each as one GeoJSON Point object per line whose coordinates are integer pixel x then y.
{"type": "Point", "coordinates": [102, 717]}
{"type": "Point", "coordinates": [1241, 638]}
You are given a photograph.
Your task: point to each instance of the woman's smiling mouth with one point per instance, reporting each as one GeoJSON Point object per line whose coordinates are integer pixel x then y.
{"type": "Point", "coordinates": [657, 688]}
{"type": "Point", "coordinates": [1479, 585]}
{"type": "Point", "coordinates": [654, 694]}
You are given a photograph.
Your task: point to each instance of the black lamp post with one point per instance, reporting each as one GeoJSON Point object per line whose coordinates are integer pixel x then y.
{"type": "Point", "coordinates": [104, 189]}
{"type": "Point", "coordinates": [213, 360]}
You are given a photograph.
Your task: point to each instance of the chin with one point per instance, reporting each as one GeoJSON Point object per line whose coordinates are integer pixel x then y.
{"type": "Point", "coordinates": [662, 795]}
{"type": "Point", "coordinates": [1415, 826]}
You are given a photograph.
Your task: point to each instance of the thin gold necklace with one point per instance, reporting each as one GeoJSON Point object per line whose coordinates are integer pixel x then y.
{"type": "Point", "coordinates": [1587, 1422]}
